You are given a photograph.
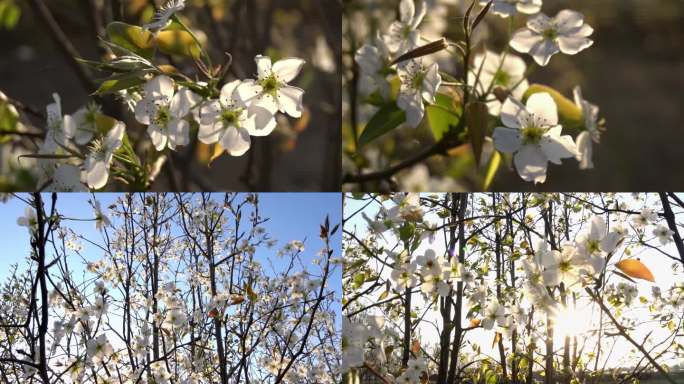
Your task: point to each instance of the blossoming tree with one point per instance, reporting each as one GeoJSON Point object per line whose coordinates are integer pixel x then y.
{"type": "Point", "coordinates": [517, 288]}
{"type": "Point", "coordinates": [180, 294]}
{"type": "Point", "coordinates": [477, 103]}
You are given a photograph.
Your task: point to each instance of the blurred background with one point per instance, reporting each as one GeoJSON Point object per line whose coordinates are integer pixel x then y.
{"type": "Point", "coordinates": [634, 72]}
{"type": "Point", "coordinates": [302, 154]}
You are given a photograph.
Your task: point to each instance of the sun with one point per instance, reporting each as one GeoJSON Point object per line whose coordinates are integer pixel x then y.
{"type": "Point", "coordinates": [573, 321]}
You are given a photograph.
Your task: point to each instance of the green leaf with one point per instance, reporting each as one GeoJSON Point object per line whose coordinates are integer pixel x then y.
{"type": "Point", "coordinates": [406, 231]}
{"type": "Point", "coordinates": [492, 168]}
{"type": "Point", "coordinates": [8, 121]}
{"type": "Point", "coordinates": [112, 85]}
{"type": "Point", "coordinates": [442, 115]}
{"type": "Point", "coordinates": [385, 119]}
{"type": "Point", "coordinates": [9, 15]}
{"type": "Point", "coordinates": [131, 37]}
{"type": "Point", "coordinates": [176, 42]}
{"type": "Point", "coordinates": [359, 280]}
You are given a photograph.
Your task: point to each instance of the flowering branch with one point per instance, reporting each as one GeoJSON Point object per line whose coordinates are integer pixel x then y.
{"type": "Point", "coordinates": [624, 334]}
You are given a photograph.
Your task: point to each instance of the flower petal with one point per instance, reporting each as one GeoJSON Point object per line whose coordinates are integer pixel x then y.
{"type": "Point", "coordinates": [97, 173]}
{"type": "Point", "coordinates": [179, 133]}
{"type": "Point", "coordinates": [571, 45]}
{"type": "Point", "coordinates": [368, 59]}
{"type": "Point", "coordinates": [263, 66]}
{"type": "Point", "coordinates": [236, 141]}
{"type": "Point", "coordinates": [287, 69]}
{"type": "Point", "coordinates": [290, 101]}
{"type": "Point", "coordinates": [54, 110]}
{"type": "Point", "coordinates": [210, 133]}
{"type": "Point", "coordinates": [70, 125]}
{"type": "Point", "coordinates": [431, 82]}
{"type": "Point", "coordinates": [394, 39]}
{"type": "Point", "coordinates": [263, 121]}
{"type": "Point", "coordinates": [228, 93]}
{"type": "Point", "coordinates": [539, 23]}
{"type": "Point", "coordinates": [210, 112]}
{"type": "Point", "coordinates": [530, 162]}
{"type": "Point", "coordinates": [597, 229]}
{"type": "Point", "coordinates": [567, 20]}
{"type": "Point", "coordinates": [529, 7]}
{"type": "Point", "coordinates": [610, 242]}
{"type": "Point", "coordinates": [159, 86]}
{"type": "Point", "coordinates": [182, 102]}
{"type": "Point", "coordinates": [543, 50]}
{"type": "Point", "coordinates": [542, 105]}
{"type": "Point", "coordinates": [158, 137]}
{"type": "Point", "coordinates": [514, 66]}
{"type": "Point", "coordinates": [115, 135]}
{"type": "Point", "coordinates": [507, 140]}
{"type": "Point", "coordinates": [510, 110]}
{"type": "Point", "coordinates": [584, 150]}
{"type": "Point", "coordinates": [412, 103]}
{"type": "Point", "coordinates": [248, 91]}
{"type": "Point", "coordinates": [407, 9]}
{"type": "Point", "coordinates": [524, 40]}
{"type": "Point", "coordinates": [418, 15]}
{"type": "Point", "coordinates": [144, 109]}
{"type": "Point", "coordinates": [502, 9]}
{"type": "Point", "coordinates": [557, 147]}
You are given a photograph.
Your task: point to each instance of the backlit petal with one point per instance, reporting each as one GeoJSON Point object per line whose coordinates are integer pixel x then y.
{"type": "Point", "coordinates": [287, 69]}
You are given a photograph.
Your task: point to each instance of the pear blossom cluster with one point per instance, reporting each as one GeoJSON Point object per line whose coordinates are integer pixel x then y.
{"type": "Point", "coordinates": [419, 81]}
{"type": "Point", "coordinates": [529, 122]}
{"type": "Point", "coordinates": [88, 150]}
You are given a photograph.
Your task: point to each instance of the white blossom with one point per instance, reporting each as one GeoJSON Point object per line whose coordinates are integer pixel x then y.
{"type": "Point", "coordinates": [101, 154]}
{"type": "Point", "coordinates": [374, 64]}
{"type": "Point", "coordinates": [418, 83]}
{"type": "Point", "coordinates": [506, 8]}
{"type": "Point", "coordinates": [82, 125]}
{"type": "Point", "coordinates": [271, 90]}
{"type": "Point", "coordinates": [543, 37]}
{"type": "Point", "coordinates": [591, 135]}
{"type": "Point", "coordinates": [533, 135]}
{"type": "Point", "coordinates": [663, 233]}
{"type": "Point", "coordinates": [505, 70]}
{"type": "Point", "coordinates": [227, 121]}
{"type": "Point", "coordinates": [164, 110]}
{"type": "Point", "coordinates": [403, 35]}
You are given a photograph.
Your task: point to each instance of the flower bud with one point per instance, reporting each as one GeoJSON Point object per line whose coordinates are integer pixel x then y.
{"type": "Point", "coordinates": [423, 50]}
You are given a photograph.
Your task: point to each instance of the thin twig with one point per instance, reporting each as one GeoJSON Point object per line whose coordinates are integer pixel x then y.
{"type": "Point", "coordinates": [624, 334]}
{"type": "Point", "coordinates": [438, 148]}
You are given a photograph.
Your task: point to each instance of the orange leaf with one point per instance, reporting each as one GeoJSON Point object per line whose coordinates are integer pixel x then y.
{"type": "Point", "coordinates": [213, 313]}
{"type": "Point", "coordinates": [237, 299]}
{"type": "Point", "coordinates": [475, 322]}
{"type": "Point", "coordinates": [415, 346]}
{"type": "Point", "coordinates": [635, 268]}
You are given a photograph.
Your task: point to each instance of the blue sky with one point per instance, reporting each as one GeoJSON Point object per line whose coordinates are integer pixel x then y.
{"type": "Point", "coordinates": [293, 216]}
